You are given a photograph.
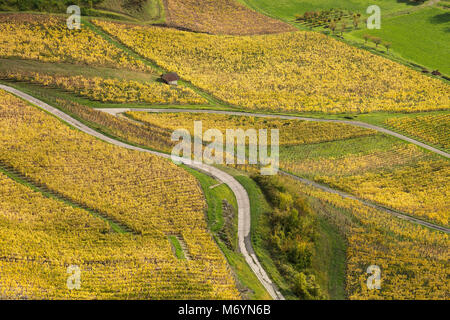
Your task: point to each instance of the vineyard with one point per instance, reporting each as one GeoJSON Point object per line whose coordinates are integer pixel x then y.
{"type": "Point", "coordinates": [434, 129]}
{"type": "Point", "coordinates": [413, 260]}
{"type": "Point", "coordinates": [420, 189]}
{"type": "Point", "coordinates": [291, 131]}
{"type": "Point", "coordinates": [357, 160]}
{"type": "Point", "coordinates": [396, 175]}
{"type": "Point", "coordinates": [220, 17]}
{"type": "Point", "coordinates": [150, 136]}
{"type": "Point", "coordinates": [46, 38]}
{"type": "Point", "coordinates": [111, 90]}
{"type": "Point", "coordinates": [149, 195]}
{"type": "Point", "coordinates": [77, 187]}
{"type": "Point", "coordinates": [289, 72]}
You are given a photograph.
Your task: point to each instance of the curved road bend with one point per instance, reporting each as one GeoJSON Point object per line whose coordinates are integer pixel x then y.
{"type": "Point", "coordinates": [115, 111]}
{"type": "Point", "coordinates": [242, 198]}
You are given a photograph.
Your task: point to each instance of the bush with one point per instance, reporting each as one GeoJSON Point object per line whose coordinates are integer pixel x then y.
{"type": "Point", "coordinates": [306, 287]}
{"type": "Point", "coordinates": [292, 234]}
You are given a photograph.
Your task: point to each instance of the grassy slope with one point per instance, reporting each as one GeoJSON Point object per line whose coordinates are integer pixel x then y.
{"type": "Point", "coordinates": [412, 35]}
{"type": "Point", "coordinates": [329, 258]}
{"type": "Point", "coordinates": [422, 36]}
{"type": "Point", "coordinates": [287, 9]}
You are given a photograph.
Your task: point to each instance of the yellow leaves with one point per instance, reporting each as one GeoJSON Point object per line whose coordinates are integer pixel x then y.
{"type": "Point", "coordinates": [113, 90]}
{"type": "Point", "coordinates": [31, 37]}
{"type": "Point", "coordinates": [434, 129]}
{"type": "Point", "coordinates": [285, 72]}
{"type": "Point", "coordinates": [413, 259]}
{"type": "Point", "coordinates": [149, 194]}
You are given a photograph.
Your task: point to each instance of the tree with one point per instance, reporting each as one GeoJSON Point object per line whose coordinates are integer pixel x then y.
{"type": "Point", "coordinates": [355, 21]}
{"type": "Point", "coordinates": [387, 45]}
{"type": "Point", "coordinates": [332, 25]}
{"type": "Point", "coordinates": [366, 38]}
{"type": "Point", "coordinates": [343, 27]}
{"type": "Point", "coordinates": [376, 40]}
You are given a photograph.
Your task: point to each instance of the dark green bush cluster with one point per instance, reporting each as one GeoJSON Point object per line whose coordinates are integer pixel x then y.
{"type": "Point", "coordinates": [293, 230]}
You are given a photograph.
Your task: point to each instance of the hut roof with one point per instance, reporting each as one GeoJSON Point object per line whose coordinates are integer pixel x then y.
{"type": "Point", "coordinates": [170, 77]}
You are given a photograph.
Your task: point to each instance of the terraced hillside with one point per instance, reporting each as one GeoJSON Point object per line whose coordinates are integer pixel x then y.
{"type": "Point", "coordinates": [286, 72]}
{"type": "Point", "coordinates": [220, 17]}
{"type": "Point", "coordinates": [416, 32]}
{"type": "Point", "coordinates": [370, 165]}
{"type": "Point", "coordinates": [98, 190]}
{"type": "Point", "coordinates": [149, 195]}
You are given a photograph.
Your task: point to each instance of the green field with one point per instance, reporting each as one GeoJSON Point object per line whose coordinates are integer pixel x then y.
{"type": "Point", "coordinates": [418, 33]}
{"type": "Point", "coordinates": [287, 9]}
{"type": "Point", "coordinates": [422, 37]}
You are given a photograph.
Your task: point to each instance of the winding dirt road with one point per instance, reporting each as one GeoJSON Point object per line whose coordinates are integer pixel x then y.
{"type": "Point", "coordinates": [119, 111]}
{"type": "Point", "coordinates": [243, 201]}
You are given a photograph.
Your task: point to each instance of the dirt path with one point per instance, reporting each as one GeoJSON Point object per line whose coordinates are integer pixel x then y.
{"type": "Point", "coordinates": [370, 204]}
{"type": "Point", "coordinates": [116, 111]}
{"type": "Point", "coordinates": [243, 201]}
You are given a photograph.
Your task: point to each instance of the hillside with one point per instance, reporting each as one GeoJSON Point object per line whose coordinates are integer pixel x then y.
{"type": "Point", "coordinates": [89, 121]}
{"type": "Point", "coordinates": [220, 17]}
{"type": "Point", "coordinates": [416, 31]}
{"type": "Point", "coordinates": [286, 72]}
{"type": "Point", "coordinates": [159, 201]}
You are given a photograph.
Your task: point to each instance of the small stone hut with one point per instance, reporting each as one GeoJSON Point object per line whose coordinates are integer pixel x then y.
{"type": "Point", "coordinates": [170, 78]}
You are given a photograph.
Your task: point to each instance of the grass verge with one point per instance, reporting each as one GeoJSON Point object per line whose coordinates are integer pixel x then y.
{"type": "Point", "coordinates": [249, 285]}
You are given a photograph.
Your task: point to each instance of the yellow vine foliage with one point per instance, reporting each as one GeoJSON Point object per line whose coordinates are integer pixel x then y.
{"type": "Point", "coordinates": [353, 164]}
{"type": "Point", "coordinates": [112, 90]}
{"type": "Point", "coordinates": [420, 189]}
{"type": "Point", "coordinates": [399, 175]}
{"type": "Point", "coordinates": [47, 38]}
{"type": "Point", "coordinates": [291, 131]}
{"type": "Point", "coordinates": [413, 259]}
{"type": "Point", "coordinates": [286, 72]}
{"type": "Point", "coordinates": [434, 129]}
{"type": "Point", "coordinates": [148, 194]}
{"type": "Point", "coordinates": [150, 136]}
